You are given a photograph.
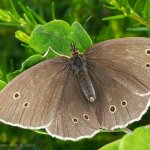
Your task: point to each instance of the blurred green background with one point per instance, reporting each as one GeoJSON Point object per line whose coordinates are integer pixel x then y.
{"type": "Point", "coordinates": [12, 54]}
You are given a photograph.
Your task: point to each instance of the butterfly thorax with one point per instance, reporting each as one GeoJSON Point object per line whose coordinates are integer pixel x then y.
{"type": "Point", "coordinates": [78, 64]}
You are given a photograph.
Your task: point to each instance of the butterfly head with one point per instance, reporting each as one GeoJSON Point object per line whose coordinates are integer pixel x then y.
{"type": "Point", "coordinates": [74, 50]}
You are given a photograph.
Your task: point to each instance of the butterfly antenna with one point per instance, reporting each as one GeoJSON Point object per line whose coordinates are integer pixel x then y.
{"type": "Point", "coordinates": [74, 50]}
{"type": "Point", "coordinates": [87, 20]}
{"type": "Point", "coordinates": [73, 47]}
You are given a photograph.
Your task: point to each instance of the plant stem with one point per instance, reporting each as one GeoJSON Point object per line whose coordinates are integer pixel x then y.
{"type": "Point", "coordinates": [128, 11]}
{"type": "Point", "coordinates": [126, 130]}
{"type": "Point", "coordinates": [135, 16]}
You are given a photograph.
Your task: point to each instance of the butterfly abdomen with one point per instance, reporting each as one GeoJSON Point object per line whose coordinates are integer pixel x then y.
{"type": "Point", "coordinates": [79, 67]}
{"type": "Point", "coordinates": [86, 85]}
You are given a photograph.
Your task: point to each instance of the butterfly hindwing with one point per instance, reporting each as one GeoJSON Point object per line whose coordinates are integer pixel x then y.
{"type": "Point", "coordinates": [73, 107]}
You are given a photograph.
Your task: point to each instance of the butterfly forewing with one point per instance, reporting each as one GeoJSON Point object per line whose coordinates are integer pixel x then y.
{"type": "Point", "coordinates": [128, 55]}
{"type": "Point", "coordinates": [122, 80]}
{"type": "Point", "coordinates": [31, 98]}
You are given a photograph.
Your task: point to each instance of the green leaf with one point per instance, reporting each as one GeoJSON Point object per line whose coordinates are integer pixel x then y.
{"type": "Point", "coordinates": [1, 73]}
{"type": "Point", "coordinates": [41, 132]}
{"type": "Point", "coordinates": [124, 3]}
{"type": "Point", "coordinates": [112, 146]}
{"type": "Point", "coordinates": [139, 5]}
{"type": "Point", "coordinates": [107, 1]}
{"type": "Point", "coordinates": [14, 11]}
{"type": "Point", "coordinates": [54, 34]}
{"type": "Point", "coordinates": [80, 37]}
{"type": "Point", "coordinates": [146, 11]}
{"type": "Point", "coordinates": [37, 17]}
{"type": "Point", "coordinates": [25, 65]}
{"type": "Point", "coordinates": [59, 35]}
{"type": "Point", "coordinates": [137, 140]}
{"type": "Point", "coordinates": [137, 29]}
{"type": "Point", "coordinates": [22, 36]}
{"type": "Point", "coordinates": [2, 84]}
{"type": "Point", "coordinates": [113, 17]}
{"type": "Point", "coordinates": [28, 15]}
{"type": "Point", "coordinates": [109, 7]}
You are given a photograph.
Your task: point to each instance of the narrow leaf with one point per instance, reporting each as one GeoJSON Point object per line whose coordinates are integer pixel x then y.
{"type": "Point", "coordinates": [146, 11]}
{"type": "Point", "coordinates": [137, 29]}
{"type": "Point", "coordinates": [113, 17]}
{"type": "Point", "coordinates": [2, 84]}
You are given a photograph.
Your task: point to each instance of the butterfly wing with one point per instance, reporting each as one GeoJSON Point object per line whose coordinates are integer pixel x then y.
{"type": "Point", "coordinates": [75, 118]}
{"type": "Point", "coordinates": [121, 76]}
{"type": "Point", "coordinates": [30, 99]}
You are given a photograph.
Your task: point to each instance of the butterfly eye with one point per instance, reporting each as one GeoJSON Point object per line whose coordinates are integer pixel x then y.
{"type": "Point", "coordinates": [16, 95]}
{"type": "Point", "coordinates": [112, 108]}
{"type": "Point", "coordinates": [147, 65]}
{"type": "Point", "coordinates": [123, 103]}
{"type": "Point", "coordinates": [147, 51]}
{"type": "Point", "coordinates": [85, 116]}
{"type": "Point", "coordinates": [75, 120]}
{"type": "Point", "coordinates": [26, 104]}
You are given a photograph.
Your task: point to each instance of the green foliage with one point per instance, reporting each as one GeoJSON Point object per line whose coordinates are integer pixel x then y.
{"type": "Point", "coordinates": [138, 140]}
{"type": "Point", "coordinates": [2, 84]}
{"type": "Point", "coordinates": [112, 146]}
{"type": "Point", "coordinates": [28, 21]}
{"type": "Point", "coordinates": [58, 35]}
{"type": "Point", "coordinates": [36, 28]}
{"type": "Point", "coordinates": [138, 10]}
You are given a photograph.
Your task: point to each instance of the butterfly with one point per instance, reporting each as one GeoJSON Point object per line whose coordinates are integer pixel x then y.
{"type": "Point", "coordinates": [106, 87]}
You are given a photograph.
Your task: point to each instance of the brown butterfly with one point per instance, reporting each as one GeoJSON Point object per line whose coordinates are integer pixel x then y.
{"type": "Point", "coordinates": [106, 87]}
